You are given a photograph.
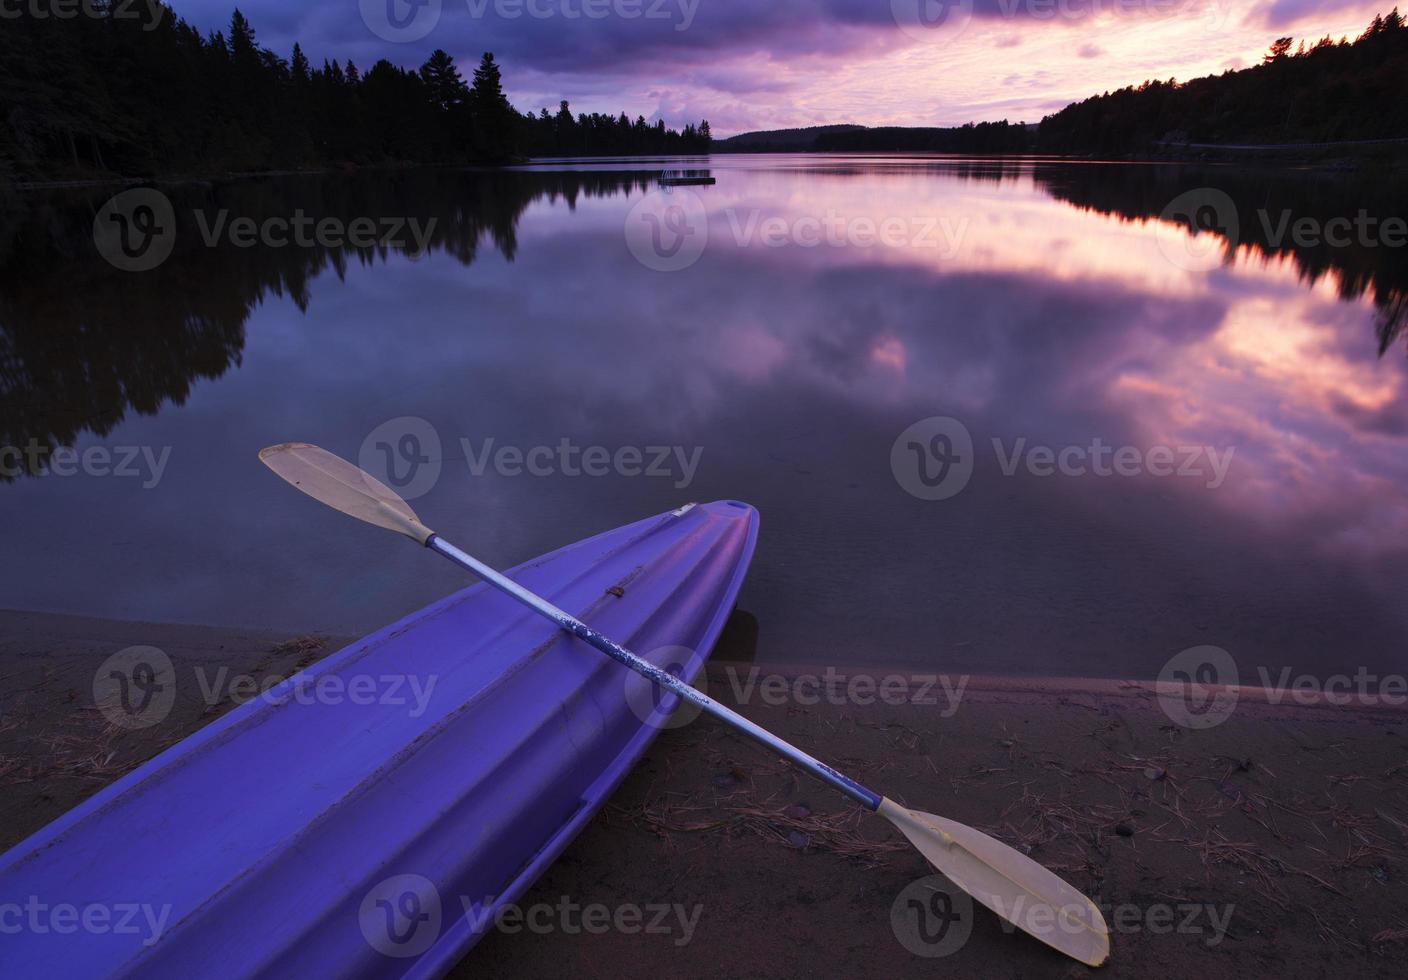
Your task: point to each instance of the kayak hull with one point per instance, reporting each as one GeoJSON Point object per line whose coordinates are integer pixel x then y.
{"type": "Point", "coordinates": [317, 834]}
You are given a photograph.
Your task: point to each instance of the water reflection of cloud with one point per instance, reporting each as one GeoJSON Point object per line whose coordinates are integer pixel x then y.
{"type": "Point", "coordinates": [1046, 321]}
{"type": "Point", "coordinates": [794, 368]}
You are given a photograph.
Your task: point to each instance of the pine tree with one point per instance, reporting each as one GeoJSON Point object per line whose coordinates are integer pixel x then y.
{"type": "Point", "coordinates": [242, 40]}
{"type": "Point", "coordinates": [442, 77]}
{"type": "Point", "coordinates": [488, 82]}
{"type": "Point", "coordinates": [299, 65]}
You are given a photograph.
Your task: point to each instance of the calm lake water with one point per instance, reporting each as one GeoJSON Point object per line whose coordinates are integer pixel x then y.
{"type": "Point", "coordinates": [1169, 442]}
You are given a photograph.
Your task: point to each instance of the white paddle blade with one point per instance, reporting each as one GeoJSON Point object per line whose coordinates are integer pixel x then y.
{"type": "Point", "coordinates": [1007, 882]}
{"type": "Point", "coordinates": [344, 487]}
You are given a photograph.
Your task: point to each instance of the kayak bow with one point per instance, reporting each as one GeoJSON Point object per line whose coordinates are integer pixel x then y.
{"type": "Point", "coordinates": [268, 840]}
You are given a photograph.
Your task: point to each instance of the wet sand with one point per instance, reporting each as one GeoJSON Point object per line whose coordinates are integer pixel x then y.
{"type": "Point", "coordinates": [1270, 844]}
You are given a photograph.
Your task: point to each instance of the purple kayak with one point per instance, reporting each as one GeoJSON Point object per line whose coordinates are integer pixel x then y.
{"type": "Point", "coordinates": [307, 835]}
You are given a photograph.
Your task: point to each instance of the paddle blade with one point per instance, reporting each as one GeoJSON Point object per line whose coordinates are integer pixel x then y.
{"type": "Point", "coordinates": [344, 487]}
{"type": "Point", "coordinates": [1007, 882]}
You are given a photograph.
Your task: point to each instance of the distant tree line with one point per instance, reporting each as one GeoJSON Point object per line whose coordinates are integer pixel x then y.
{"type": "Point", "coordinates": [1327, 91]}
{"type": "Point", "coordinates": [143, 97]}
{"type": "Point", "coordinates": [597, 134]}
{"type": "Point", "coordinates": [994, 137]}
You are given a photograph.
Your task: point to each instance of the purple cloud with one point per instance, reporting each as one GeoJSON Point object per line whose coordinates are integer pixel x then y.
{"type": "Point", "coordinates": [1283, 13]}
{"type": "Point", "coordinates": [620, 35]}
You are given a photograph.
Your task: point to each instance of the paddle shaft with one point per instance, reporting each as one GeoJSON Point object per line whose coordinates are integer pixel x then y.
{"type": "Point", "coordinates": [661, 678]}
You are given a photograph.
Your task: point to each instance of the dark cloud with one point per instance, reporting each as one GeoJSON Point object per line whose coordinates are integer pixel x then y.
{"type": "Point", "coordinates": [555, 35]}
{"type": "Point", "coordinates": [625, 36]}
{"type": "Point", "coordinates": [1089, 50]}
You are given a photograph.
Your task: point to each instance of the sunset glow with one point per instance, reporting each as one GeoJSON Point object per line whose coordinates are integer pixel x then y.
{"type": "Point", "coordinates": [748, 66]}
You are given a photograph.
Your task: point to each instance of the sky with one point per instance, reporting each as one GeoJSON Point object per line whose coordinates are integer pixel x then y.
{"type": "Point", "coordinates": [772, 64]}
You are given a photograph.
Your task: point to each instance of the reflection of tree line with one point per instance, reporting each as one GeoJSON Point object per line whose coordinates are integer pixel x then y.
{"type": "Point", "coordinates": [1268, 204]}
{"type": "Point", "coordinates": [82, 343]}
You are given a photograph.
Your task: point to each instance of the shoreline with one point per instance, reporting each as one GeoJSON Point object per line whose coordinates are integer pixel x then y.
{"type": "Point", "coordinates": [1269, 158]}
{"type": "Point", "coordinates": [1271, 842]}
{"type": "Point", "coordinates": [732, 660]}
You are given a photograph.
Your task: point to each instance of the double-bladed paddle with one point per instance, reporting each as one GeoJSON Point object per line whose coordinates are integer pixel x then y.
{"type": "Point", "coordinates": [1009, 883]}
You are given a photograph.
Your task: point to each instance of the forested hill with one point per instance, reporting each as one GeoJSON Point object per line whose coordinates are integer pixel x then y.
{"type": "Point", "coordinates": [1323, 91]}
{"type": "Point", "coordinates": [779, 140]}
{"type": "Point", "coordinates": [117, 94]}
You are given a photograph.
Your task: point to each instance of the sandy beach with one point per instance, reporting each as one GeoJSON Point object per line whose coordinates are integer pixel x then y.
{"type": "Point", "coordinates": [1268, 844]}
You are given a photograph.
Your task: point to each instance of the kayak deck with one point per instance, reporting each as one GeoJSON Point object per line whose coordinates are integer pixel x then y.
{"type": "Point", "coordinates": [270, 838]}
